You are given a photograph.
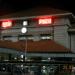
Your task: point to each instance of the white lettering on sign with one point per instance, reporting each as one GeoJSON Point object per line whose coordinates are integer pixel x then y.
{"type": "Point", "coordinates": [45, 21]}
{"type": "Point", "coordinates": [6, 24]}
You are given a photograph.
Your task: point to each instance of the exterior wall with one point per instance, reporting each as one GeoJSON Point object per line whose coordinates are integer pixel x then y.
{"type": "Point", "coordinates": [61, 35]}
{"type": "Point", "coordinates": [73, 43]}
{"type": "Point", "coordinates": [60, 32]}
{"type": "Point", "coordinates": [61, 21]}
{"type": "Point", "coordinates": [59, 27]}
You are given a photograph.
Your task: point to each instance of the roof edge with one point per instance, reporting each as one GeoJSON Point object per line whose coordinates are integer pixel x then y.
{"type": "Point", "coordinates": [28, 17]}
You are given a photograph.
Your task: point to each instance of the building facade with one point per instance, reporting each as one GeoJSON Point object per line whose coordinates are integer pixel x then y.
{"type": "Point", "coordinates": [49, 36]}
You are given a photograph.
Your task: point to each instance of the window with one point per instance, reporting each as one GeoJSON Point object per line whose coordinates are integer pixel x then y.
{"type": "Point", "coordinates": [46, 36]}
{"type": "Point", "coordinates": [35, 37]}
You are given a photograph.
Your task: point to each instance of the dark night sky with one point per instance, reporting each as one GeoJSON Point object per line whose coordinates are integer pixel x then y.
{"type": "Point", "coordinates": [17, 5]}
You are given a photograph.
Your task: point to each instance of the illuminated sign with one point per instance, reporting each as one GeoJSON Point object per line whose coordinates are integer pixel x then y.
{"type": "Point", "coordinates": [6, 24]}
{"type": "Point", "coordinates": [45, 21]}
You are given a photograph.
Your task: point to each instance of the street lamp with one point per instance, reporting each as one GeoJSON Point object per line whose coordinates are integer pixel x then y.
{"type": "Point", "coordinates": [24, 31]}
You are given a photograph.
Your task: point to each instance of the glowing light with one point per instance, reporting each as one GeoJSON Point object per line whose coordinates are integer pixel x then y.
{"type": "Point", "coordinates": [44, 67]}
{"type": "Point", "coordinates": [3, 68]}
{"type": "Point", "coordinates": [45, 21]}
{"type": "Point", "coordinates": [21, 65]}
{"type": "Point", "coordinates": [25, 23]}
{"type": "Point", "coordinates": [6, 24]}
{"type": "Point", "coordinates": [49, 58]}
{"type": "Point", "coordinates": [22, 56]}
{"type": "Point", "coordinates": [24, 30]}
{"type": "Point", "coordinates": [15, 58]}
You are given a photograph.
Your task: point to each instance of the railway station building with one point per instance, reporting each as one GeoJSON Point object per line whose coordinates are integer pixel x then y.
{"type": "Point", "coordinates": [38, 35]}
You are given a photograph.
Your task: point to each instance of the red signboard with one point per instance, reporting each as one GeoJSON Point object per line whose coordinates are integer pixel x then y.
{"type": "Point", "coordinates": [44, 21]}
{"type": "Point", "coordinates": [6, 24]}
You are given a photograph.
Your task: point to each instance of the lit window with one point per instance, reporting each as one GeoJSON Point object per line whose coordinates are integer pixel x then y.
{"type": "Point", "coordinates": [46, 37]}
